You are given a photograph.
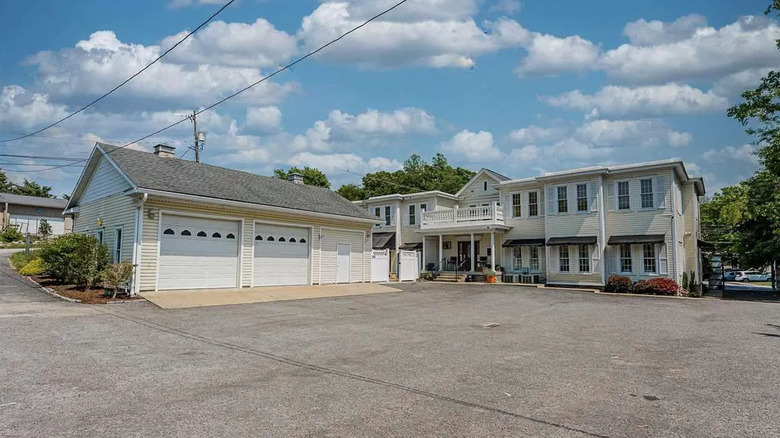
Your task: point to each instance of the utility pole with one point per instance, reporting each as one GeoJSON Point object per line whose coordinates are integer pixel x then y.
{"type": "Point", "coordinates": [195, 132]}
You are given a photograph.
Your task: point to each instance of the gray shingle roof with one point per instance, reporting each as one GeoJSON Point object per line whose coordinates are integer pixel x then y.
{"type": "Point", "coordinates": [149, 171]}
{"type": "Point", "coordinates": [33, 201]}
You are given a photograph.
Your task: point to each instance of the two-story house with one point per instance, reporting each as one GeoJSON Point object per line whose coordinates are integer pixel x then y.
{"type": "Point", "coordinates": [574, 227]}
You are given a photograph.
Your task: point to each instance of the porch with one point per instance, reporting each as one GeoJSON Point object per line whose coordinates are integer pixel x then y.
{"type": "Point", "coordinates": [462, 253]}
{"type": "Point", "coordinates": [484, 215]}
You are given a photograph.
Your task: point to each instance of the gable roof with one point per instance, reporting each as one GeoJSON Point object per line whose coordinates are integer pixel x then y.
{"type": "Point", "coordinates": [151, 172]}
{"type": "Point", "coordinates": [33, 201]}
{"type": "Point", "coordinates": [494, 175]}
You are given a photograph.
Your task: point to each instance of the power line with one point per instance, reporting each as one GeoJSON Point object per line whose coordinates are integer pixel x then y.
{"type": "Point", "coordinates": [124, 82]}
{"type": "Point", "coordinates": [40, 157]}
{"type": "Point", "coordinates": [261, 80]}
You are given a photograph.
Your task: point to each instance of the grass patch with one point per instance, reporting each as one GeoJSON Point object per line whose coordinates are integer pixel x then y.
{"type": "Point", "coordinates": [20, 259]}
{"type": "Point", "coordinates": [761, 283]}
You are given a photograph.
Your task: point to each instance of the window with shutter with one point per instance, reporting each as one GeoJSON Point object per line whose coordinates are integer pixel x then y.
{"type": "Point", "coordinates": [517, 200]}
{"type": "Point", "coordinates": [583, 258]}
{"type": "Point", "coordinates": [648, 258]}
{"type": "Point", "coordinates": [563, 199]}
{"type": "Point", "coordinates": [663, 261]}
{"type": "Point", "coordinates": [582, 197]}
{"type": "Point", "coordinates": [660, 192]}
{"type": "Point", "coordinates": [623, 196]}
{"type": "Point", "coordinates": [625, 259]}
{"type": "Point", "coordinates": [533, 204]}
{"type": "Point", "coordinates": [646, 196]}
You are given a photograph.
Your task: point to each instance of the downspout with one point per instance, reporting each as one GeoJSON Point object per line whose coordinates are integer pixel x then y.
{"type": "Point", "coordinates": [673, 209]}
{"type": "Point", "coordinates": [139, 220]}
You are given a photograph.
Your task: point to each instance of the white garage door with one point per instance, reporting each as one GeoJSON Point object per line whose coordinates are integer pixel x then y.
{"type": "Point", "coordinates": [197, 253]}
{"type": "Point", "coordinates": [281, 255]}
{"type": "Point", "coordinates": [30, 224]}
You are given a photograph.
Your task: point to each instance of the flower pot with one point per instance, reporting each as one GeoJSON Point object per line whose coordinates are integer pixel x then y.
{"type": "Point", "coordinates": [491, 278]}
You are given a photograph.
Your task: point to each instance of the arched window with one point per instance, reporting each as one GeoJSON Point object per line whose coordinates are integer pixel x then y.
{"type": "Point", "coordinates": [292, 239]}
{"type": "Point", "coordinates": [168, 231]}
{"type": "Point", "coordinates": [282, 239]}
{"type": "Point", "coordinates": [202, 234]}
{"type": "Point", "coordinates": [302, 241]}
{"type": "Point", "coordinates": [270, 238]}
{"type": "Point", "coordinates": [186, 233]}
{"type": "Point", "coordinates": [258, 237]}
{"type": "Point", "coordinates": [230, 236]}
{"type": "Point", "coordinates": [216, 235]}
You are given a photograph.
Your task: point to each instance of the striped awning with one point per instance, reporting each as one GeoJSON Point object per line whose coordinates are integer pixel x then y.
{"type": "Point", "coordinates": [383, 241]}
{"type": "Point", "coordinates": [574, 240]}
{"type": "Point", "coordinates": [411, 246]}
{"type": "Point", "coordinates": [523, 242]}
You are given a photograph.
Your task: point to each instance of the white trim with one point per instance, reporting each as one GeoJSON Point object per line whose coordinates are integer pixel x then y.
{"type": "Point", "coordinates": [476, 176]}
{"type": "Point", "coordinates": [116, 259]}
{"type": "Point", "coordinates": [349, 268]}
{"type": "Point", "coordinates": [672, 200]}
{"type": "Point", "coordinates": [239, 240]}
{"type": "Point", "coordinates": [602, 239]}
{"type": "Point", "coordinates": [310, 228]}
{"type": "Point", "coordinates": [617, 196]}
{"type": "Point", "coordinates": [363, 250]}
{"type": "Point", "coordinates": [251, 206]}
{"type": "Point", "coordinates": [118, 169]}
{"type": "Point", "coordinates": [139, 227]}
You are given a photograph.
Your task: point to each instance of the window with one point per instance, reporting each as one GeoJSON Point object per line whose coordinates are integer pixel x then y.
{"type": "Point", "coordinates": [186, 233]}
{"type": "Point", "coordinates": [378, 212]}
{"type": "Point", "coordinates": [533, 204]}
{"type": "Point", "coordinates": [584, 258]}
{"type": "Point", "coordinates": [648, 256]}
{"type": "Point", "coordinates": [516, 207]}
{"type": "Point", "coordinates": [302, 241]}
{"type": "Point", "coordinates": [117, 245]}
{"type": "Point", "coordinates": [582, 197]}
{"type": "Point", "coordinates": [387, 215]}
{"type": "Point", "coordinates": [534, 258]}
{"type": "Point", "coordinates": [484, 186]}
{"type": "Point", "coordinates": [168, 231]}
{"type": "Point", "coordinates": [423, 207]}
{"type": "Point", "coordinates": [270, 238]}
{"type": "Point", "coordinates": [517, 258]}
{"type": "Point", "coordinates": [563, 200]}
{"type": "Point", "coordinates": [646, 192]}
{"type": "Point", "coordinates": [282, 239]}
{"type": "Point", "coordinates": [202, 234]}
{"type": "Point", "coordinates": [292, 239]}
{"type": "Point", "coordinates": [99, 236]}
{"type": "Point", "coordinates": [563, 258]}
{"type": "Point", "coordinates": [412, 215]}
{"type": "Point", "coordinates": [625, 258]}
{"type": "Point", "coordinates": [217, 236]}
{"type": "Point", "coordinates": [624, 198]}
{"type": "Point", "coordinates": [230, 236]}
{"type": "Point", "coordinates": [258, 237]}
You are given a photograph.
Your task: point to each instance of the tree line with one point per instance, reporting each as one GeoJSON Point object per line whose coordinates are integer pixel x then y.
{"type": "Point", "coordinates": [27, 188]}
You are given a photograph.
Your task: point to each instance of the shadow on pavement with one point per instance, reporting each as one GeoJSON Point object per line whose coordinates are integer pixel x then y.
{"type": "Point", "coordinates": [748, 292]}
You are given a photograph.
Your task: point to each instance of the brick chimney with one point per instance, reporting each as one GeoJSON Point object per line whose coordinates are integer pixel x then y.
{"type": "Point", "coordinates": [295, 178]}
{"type": "Point", "coordinates": [165, 151]}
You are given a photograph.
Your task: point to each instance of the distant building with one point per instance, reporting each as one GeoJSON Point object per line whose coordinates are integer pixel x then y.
{"type": "Point", "coordinates": [26, 212]}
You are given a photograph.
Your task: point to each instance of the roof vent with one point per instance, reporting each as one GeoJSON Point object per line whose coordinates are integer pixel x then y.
{"type": "Point", "coordinates": [295, 178]}
{"type": "Point", "coordinates": [165, 151]}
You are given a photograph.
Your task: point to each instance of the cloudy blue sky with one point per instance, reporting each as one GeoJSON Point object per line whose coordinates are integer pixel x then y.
{"type": "Point", "coordinates": [521, 87]}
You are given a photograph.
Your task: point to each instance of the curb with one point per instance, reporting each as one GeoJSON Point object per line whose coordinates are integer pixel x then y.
{"type": "Point", "coordinates": [52, 293]}
{"type": "Point", "coordinates": [648, 296]}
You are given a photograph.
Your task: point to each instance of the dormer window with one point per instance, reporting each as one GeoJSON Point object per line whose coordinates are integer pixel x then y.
{"type": "Point", "coordinates": [484, 185]}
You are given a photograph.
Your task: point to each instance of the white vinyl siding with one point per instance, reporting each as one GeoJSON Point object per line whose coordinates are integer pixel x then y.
{"type": "Point", "coordinates": [105, 181]}
{"type": "Point", "coordinates": [107, 214]}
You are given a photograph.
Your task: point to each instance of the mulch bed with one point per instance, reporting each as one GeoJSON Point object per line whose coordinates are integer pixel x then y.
{"type": "Point", "coordinates": [83, 294]}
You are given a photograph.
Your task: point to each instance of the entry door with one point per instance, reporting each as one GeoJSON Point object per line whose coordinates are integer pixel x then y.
{"type": "Point", "coordinates": [464, 252]}
{"type": "Point", "coordinates": [342, 263]}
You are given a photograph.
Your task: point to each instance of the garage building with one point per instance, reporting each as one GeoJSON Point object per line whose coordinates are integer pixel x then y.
{"type": "Point", "coordinates": [25, 213]}
{"type": "Point", "coordinates": [187, 225]}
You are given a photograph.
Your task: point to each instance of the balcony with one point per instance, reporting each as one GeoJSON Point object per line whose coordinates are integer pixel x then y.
{"type": "Point", "coordinates": [492, 214]}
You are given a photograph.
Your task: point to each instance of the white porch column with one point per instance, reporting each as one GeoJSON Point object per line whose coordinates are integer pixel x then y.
{"type": "Point", "coordinates": [423, 254]}
{"type": "Point", "coordinates": [455, 213]}
{"type": "Point", "coordinates": [471, 249]}
{"type": "Point", "coordinates": [493, 251]}
{"type": "Point", "coordinates": [441, 253]}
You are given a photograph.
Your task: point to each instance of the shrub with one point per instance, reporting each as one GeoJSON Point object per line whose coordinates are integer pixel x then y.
{"type": "Point", "coordinates": [11, 234]}
{"type": "Point", "coordinates": [20, 259]}
{"type": "Point", "coordinates": [44, 228]}
{"type": "Point", "coordinates": [657, 286]}
{"type": "Point", "coordinates": [34, 267]}
{"type": "Point", "coordinates": [685, 284]}
{"type": "Point", "coordinates": [116, 274]}
{"type": "Point", "coordinates": [74, 258]}
{"type": "Point", "coordinates": [618, 283]}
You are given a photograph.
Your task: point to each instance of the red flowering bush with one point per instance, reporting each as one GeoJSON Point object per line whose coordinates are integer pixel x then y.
{"type": "Point", "coordinates": [657, 286]}
{"type": "Point", "coordinates": [619, 283]}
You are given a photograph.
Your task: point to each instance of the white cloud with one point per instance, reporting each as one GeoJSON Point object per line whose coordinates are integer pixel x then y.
{"type": "Point", "coordinates": [341, 163]}
{"type": "Point", "coordinates": [642, 101]}
{"type": "Point", "coordinates": [651, 33]}
{"type": "Point", "coordinates": [101, 62]}
{"type": "Point", "coordinates": [745, 153]}
{"type": "Point", "coordinates": [526, 154]}
{"type": "Point", "coordinates": [548, 54]}
{"type": "Point", "coordinates": [509, 7]}
{"type": "Point", "coordinates": [257, 44]}
{"type": "Point", "coordinates": [23, 110]}
{"type": "Point", "coordinates": [537, 134]}
{"type": "Point", "coordinates": [434, 33]}
{"type": "Point", "coordinates": [472, 146]}
{"type": "Point", "coordinates": [712, 53]}
{"type": "Point", "coordinates": [263, 119]}
{"type": "Point", "coordinates": [631, 133]}
{"type": "Point", "coordinates": [735, 84]}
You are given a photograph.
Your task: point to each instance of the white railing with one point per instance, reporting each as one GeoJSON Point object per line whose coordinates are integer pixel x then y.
{"type": "Point", "coordinates": [487, 214]}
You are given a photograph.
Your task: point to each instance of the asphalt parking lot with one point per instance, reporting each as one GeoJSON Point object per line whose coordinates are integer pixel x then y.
{"type": "Point", "coordinates": [433, 360]}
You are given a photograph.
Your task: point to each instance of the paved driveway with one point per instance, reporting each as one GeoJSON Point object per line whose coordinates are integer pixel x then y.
{"type": "Point", "coordinates": [429, 361]}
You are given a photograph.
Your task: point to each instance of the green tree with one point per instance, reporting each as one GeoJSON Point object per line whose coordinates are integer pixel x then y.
{"type": "Point", "coordinates": [5, 185]}
{"type": "Point", "coordinates": [417, 175]}
{"type": "Point", "coordinates": [44, 228]}
{"type": "Point", "coordinates": [352, 192]}
{"type": "Point", "coordinates": [31, 188]}
{"type": "Point", "coordinates": [311, 176]}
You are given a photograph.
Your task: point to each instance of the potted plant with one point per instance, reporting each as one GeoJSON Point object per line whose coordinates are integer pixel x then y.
{"type": "Point", "coordinates": [490, 275]}
{"type": "Point", "coordinates": [115, 277]}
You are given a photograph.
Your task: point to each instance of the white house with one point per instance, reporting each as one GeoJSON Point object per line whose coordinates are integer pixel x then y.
{"type": "Point", "coordinates": [25, 213]}
{"type": "Point", "coordinates": [187, 225]}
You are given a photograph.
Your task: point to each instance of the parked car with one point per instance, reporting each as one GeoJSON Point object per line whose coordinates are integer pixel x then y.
{"type": "Point", "coordinates": [751, 276]}
{"type": "Point", "coordinates": [730, 275]}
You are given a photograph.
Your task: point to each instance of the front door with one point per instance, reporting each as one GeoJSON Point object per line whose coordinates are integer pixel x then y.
{"type": "Point", "coordinates": [464, 253]}
{"type": "Point", "coordinates": [343, 263]}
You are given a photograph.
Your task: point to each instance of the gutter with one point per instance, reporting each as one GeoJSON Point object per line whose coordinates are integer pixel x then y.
{"type": "Point", "coordinates": [251, 206]}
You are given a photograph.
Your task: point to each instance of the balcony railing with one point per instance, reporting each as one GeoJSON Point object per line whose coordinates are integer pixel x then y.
{"type": "Point", "coordinates": [488, 214]}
